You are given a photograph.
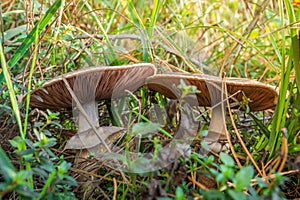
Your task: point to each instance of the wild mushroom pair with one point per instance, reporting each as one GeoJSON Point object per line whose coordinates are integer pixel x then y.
{"type": "Point", "coordinates": [85, 87]}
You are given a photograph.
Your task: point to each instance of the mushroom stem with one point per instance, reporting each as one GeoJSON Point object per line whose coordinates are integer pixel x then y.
{"type": "Point", "coordinates": [217, 127]}
{"type": "Point", "coordinates": [84, 114]}
{"type": "Point", "coordinates": [91, 110]}
{"type": "Point", "coordinates": [216, 130]}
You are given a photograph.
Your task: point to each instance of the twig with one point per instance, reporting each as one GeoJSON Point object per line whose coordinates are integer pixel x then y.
{"type": "Point", "coordinates": [240, 139]}
{"type": "Point", "coordinates": [115, 188]}
{"type": "Point", "coordinates": [203, 187]}
{"type": "Point", "coordinates": [284, 150]}
{"type": "Point", "coordinates": [224, 88]}
{"type": "Point", "coordinates": [270, 163]}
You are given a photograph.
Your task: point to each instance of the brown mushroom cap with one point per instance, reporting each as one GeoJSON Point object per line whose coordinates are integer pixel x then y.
{"type": "Point", "coordinates": [261, 96]}
{"type": "Point", "coordinates": [112, 81]}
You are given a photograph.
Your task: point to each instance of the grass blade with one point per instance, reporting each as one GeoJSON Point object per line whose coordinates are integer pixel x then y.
{"type": "Point", "coordinates": [154, 16]}
{"type": "Point", "coordinates": [11, 90]}
{"type": "Point", "coordinates": [295, 43]}
{"type": "Point", "coordinates": [283, 102]}
{"type": "Point", "coordinates": [30, 80]}
{"type": "Point", "coordinates": [46, 19]}
{"type": "Point", "coordinates": [139, 23]}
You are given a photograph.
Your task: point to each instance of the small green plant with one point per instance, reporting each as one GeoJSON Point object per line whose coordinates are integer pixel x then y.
{"type": "Point", "coordinates": [50, 169]}
{"type": "Point", "coordinates": [46, 167]}
{"type": "Point", "coordinates": [40, 128]}
{"type": "Point", "coordinates": [241, 180]}
{"type": "Point", "coordinates": [187, 89]}
{"type": "Point", "coordinates": [37, 162]}
{"type": "Point", "coordinates": [226, 172]}
{"type": "Point", "coordinates": [179, 193]}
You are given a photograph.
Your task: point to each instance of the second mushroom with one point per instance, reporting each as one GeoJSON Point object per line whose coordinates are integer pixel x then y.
{"type": "Point", "coordinates": [214, 91]}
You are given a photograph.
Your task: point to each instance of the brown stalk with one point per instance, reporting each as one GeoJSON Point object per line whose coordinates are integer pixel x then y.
{"type": "Point", "coordinates": [284, 150]}
{"type": "Point", "coordinates": [224, 87]}
{"type": "Point", "coordinates": [203, 187]}
{"type": "Point", "coordinates": [115, 188]}
{"type": "Point", "coordinates": [283, 157]}
{"type": "Point", "coordinates": [272, 162]}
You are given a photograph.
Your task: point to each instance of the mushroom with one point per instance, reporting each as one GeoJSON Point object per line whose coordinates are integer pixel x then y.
{"type": "Point", "coordinates": [82, 89]}
{"type": "Point", "coordinates": [212, 94]}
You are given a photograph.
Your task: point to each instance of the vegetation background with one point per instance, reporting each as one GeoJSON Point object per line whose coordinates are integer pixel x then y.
{"type": "Point", "coordinates": [250, 39]}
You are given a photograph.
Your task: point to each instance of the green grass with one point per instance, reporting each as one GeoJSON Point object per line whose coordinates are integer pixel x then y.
{"type": "Point", "coordinates": [244, 39]}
